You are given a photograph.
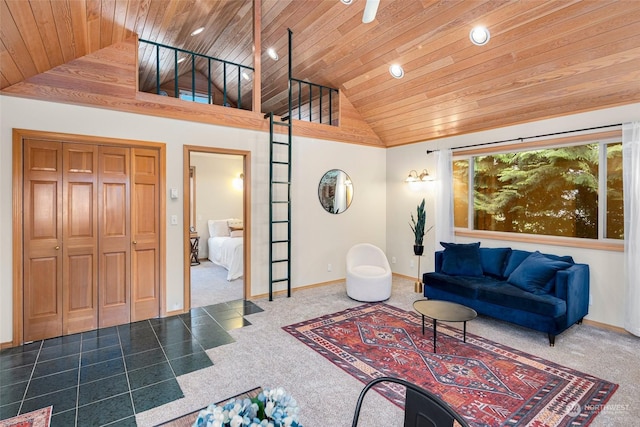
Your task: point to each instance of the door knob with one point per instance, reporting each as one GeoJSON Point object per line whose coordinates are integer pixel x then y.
{"type": "Point", "coordinates": [134, 242]}
{"type": "Point", "coordinates": [57, 248]}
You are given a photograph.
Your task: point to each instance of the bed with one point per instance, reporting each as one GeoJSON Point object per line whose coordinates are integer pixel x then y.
{"type": "Point", "coordinates": [225, 246]}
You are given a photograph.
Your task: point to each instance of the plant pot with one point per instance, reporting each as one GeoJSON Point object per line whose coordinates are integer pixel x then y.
{"type": "Point", "coordinates": [418, 250]}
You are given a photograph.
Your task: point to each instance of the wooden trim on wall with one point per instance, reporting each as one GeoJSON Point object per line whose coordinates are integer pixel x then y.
{"type": "Point", "coordinates": [163, 226]}
{"type": "Point", "coordinates": [19, 135]}
{"type": "Point", "coordinates": [571, 242]}
{"type": "Point", "coordinates": [186, 239]}
{"type": "Point", "coordinates": [18, 248]}
{"type": "Point", "coordinates": [246, 207]}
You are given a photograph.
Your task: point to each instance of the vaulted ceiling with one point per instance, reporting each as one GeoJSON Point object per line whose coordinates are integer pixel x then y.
{"type": "Point", "coordinates": [544, 58]}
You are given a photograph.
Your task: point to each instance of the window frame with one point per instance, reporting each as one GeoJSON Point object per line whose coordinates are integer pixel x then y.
{"type": "Point", "coordinates": [601, 138]}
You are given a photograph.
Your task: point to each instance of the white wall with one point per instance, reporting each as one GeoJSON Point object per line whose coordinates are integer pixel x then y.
{"type": "Point", "coordinates": [607, 286]}
{"type": "Point", "coordinates": [216, 197]}
{"type": "Point", "coordinates": [318, 238]}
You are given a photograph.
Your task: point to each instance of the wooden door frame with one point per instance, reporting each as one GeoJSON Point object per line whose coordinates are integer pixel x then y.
{"type": "Point", "coordinates": [246, 211]}
{"type": "Point", "coordinates": [17, 230]}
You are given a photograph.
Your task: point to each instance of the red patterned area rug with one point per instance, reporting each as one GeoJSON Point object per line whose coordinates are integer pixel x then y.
{"type": "Point", "coordinates": [37, 418]}
{"type": "Point", "coordinates": [490, 384]}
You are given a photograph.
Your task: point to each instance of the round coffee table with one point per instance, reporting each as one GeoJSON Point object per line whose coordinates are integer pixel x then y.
{"type": "Point", "coordinates": [444, 311]}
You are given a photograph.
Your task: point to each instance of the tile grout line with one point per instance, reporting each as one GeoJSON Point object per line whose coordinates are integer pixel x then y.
{"type": "Point", "coordinates": [126, 372]}
{"type": "Point", "coordinates": [35, 362]}
{"type": "Point", "coordinates": [78, 385]}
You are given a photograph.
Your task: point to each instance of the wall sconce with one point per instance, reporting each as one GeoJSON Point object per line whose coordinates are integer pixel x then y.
{"type": "Point", "coordinates": [414, 177]}
{"type": "Point", "coordinates": [238, 183]}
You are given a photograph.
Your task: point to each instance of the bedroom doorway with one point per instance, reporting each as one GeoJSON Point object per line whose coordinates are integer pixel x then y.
{"type": "Point", "coordinates": [216, 226]}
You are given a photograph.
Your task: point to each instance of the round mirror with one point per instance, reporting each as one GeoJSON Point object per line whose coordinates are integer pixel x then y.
{"type": "Point", "coordinates": [335, 191]}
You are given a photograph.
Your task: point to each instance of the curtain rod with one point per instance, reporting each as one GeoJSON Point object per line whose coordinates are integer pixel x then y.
{"type": "Point", "coordinates": [529, 137]}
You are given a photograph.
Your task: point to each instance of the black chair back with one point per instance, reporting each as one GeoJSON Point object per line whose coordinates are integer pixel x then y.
{"type": "Point", "coordinates": [421, 409]}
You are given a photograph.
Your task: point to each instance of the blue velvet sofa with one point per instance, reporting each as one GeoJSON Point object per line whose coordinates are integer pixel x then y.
{"type": "Point", "coordinates": [548, 293]}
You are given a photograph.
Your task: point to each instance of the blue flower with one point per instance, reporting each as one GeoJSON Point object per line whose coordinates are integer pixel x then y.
{"type": "Point", "coordinates": [271, 408]}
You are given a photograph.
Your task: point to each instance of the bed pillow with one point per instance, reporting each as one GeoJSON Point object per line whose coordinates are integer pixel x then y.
{"type": "Point", "coordinates": [534, 274]}
{"type": "Point", "coordinates": [237, 233]}
{"type": "Point", "coordinates": [218, 228]}
{"type": "Point", "coordinates": [461, 259]}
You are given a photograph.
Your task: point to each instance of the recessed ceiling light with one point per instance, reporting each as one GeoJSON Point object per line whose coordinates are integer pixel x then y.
{"type": "Point", "coordinates": [396, 71]}
{"type": "Point", "coordinates": [347, 1]}
{"type": "Point", "coordinates": [181, 59]}
{"type": "Point", "coordinates": [245, 76]}
{"type": "Point", "coordinates": [272, 54]}
{"type": "Point", "coordinates": [479, 36]}
{"type": "Point", "coordinates": [197, 31]}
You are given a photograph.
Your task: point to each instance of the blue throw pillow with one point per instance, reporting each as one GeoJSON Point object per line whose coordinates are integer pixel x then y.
{"type": "Point", "coordinates": [461, 259]}
{"type": "Point", "coordinates": [493, 260]}
{"type": "Point", "coordinates": [535, 272]}
{"type": "Point", "coordinates": [515, 259]}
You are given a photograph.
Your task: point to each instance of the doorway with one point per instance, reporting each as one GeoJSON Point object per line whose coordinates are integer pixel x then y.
{"type": "Point", "coordinates": [217, 226]}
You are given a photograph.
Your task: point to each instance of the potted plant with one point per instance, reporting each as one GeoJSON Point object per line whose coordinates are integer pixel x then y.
{"type": "Point", "coordinates": [417, 226]}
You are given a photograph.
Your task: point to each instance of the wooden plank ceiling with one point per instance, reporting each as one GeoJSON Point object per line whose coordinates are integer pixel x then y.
{"type": "Point", "coordinates": [544, 59]}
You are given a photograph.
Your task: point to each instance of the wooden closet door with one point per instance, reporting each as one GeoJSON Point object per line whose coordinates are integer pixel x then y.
{"type": "Point", "coordinates": [115, 236]}
{"type": "Point", "coordinates": [145, 232]}
{"type": "Point", "coordinates": [80, 238]}
{"type": "Point", "coordinates": [42, 235]}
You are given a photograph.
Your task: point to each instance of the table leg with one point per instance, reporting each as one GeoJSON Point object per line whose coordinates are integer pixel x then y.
{"type": "Point", "coordinates": [464, 332]}
{"type": "Point", "coordinates": [435, 322]}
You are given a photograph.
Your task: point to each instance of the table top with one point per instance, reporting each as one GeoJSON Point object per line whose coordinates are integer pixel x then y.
{"type": "Point", "coordinates": [444, 310]}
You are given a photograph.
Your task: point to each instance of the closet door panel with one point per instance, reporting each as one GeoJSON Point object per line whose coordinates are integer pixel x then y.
{"type": "Point", "coordinates": [42, 239]}
{"type": "Point", "coordinates": [145, 234]}
{"type": "Point", "coordinates": [80, 231]}
{"type": "Point", "coordinates": [115, 236]}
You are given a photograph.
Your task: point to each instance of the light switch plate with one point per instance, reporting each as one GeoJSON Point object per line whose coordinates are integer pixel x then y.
{"type": "Point", "coordinates": [174, 193]}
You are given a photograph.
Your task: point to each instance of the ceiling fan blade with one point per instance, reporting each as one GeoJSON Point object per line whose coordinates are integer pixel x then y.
{"type": "Point", "coordinates": [370, 10]}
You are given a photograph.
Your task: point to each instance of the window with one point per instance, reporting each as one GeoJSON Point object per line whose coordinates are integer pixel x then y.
{"type": "Point", "coordinates": [202, 98]}
{"type": "Point", "coordinates": [551, 191]}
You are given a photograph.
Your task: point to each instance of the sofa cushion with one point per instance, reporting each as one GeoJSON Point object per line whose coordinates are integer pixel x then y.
{"type": "Point", "coordinates": [506, 295]}
{"type": "Point", "coordinates": [515, 258]}
{"type": "Point", "coordinates": [534, 274]}
{"type": "Point", "coordinates": [461, 259]}
{"type": "Point", "coordinates": [466, 286]}
{"type": "Point", "coordinates": [493, 260]}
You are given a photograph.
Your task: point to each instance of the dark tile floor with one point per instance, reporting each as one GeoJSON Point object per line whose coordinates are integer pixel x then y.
{"type": "Point", "coordinates": [105, 377]}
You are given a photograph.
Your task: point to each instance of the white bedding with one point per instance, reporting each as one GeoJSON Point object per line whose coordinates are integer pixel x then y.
{"type": "Point", "coordinates": [227, 252]}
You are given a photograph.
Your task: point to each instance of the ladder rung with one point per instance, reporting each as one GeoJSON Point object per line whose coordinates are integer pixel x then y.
{"type": "Point", "coordinates": [280, 201]}
{"type": "Point", "coordinates": [280, 163]}
{"type": "Point", "coordinates": [284, 221]}
{"type": "Point", "coordinates": [281, 182]}
{"type": "Point", "coordinates": [280, 260]}
{"type": "Point", "coordinates": [279, 241]}
{"type": "Point", "coordinates": [280, 280]}
{"type": "Point", "coordinates": [281, 124]}
{"type": "Point", "coordinates": [280, 142]}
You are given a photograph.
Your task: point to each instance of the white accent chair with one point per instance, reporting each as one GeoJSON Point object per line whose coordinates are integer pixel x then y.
{"type": "Point", "coordinates": [368, 273]}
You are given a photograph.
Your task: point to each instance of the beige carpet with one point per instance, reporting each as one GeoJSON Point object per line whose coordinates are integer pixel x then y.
{"type": "Point", "coordinates": [209, 285]}
{"type": "Point", "coordinates": [265, 355]}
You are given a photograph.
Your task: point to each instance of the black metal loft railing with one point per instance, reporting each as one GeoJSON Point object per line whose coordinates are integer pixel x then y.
{"type": "Point", "coordinates": [231, 76]}
{"type": "Point", "coordinates": [315, 102]}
